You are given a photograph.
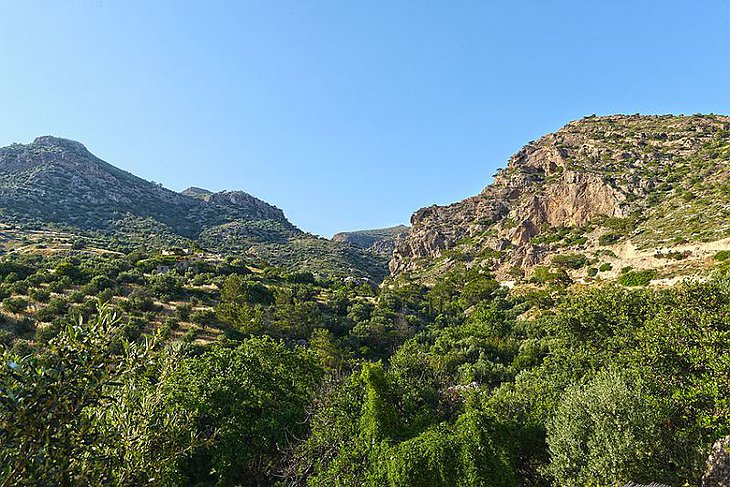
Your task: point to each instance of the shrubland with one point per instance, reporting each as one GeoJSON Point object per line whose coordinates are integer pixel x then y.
{"type": "Point", "coordinates": [137, 368]}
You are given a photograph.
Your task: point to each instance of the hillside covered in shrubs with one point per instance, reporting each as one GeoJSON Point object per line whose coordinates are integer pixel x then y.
{"type": "Point", "coordinates": [148, 368]}
{"type": "Point", "coordinates": [57, 185]}
{"type": "Point", "coordinates": [566, 327]}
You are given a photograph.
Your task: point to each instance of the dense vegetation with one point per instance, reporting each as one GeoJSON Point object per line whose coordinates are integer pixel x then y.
{"type": "Point", "coordinates": [143, 368]}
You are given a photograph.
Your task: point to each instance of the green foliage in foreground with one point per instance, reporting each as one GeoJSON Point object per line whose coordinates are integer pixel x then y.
{"type": "Point", "coordinates": [245, 403]}
{"type": "Point", "coordinates": [47, 428]}
{"type": "Point", "coordinates": [609, 429]}
{"type": "Point", "coordinates": [326, 383]}
{"type": "Point", "coordinates": [93, 409]}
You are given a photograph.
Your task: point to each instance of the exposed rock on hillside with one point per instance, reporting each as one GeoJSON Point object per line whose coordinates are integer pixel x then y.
{"type": "Point", "coordinates": [255, 207]}
{"type": "Point", "coordinates": [58, 183]}
{"type": "Point", "coordinates": [656, 181]}
{"type": "Point", "coordinates": [380, 241]}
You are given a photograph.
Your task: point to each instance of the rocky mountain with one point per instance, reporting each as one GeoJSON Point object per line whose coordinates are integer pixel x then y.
{"type": "Point", "coordinates": [380, 241]}
{"type": "Point", "coordinates": [647, 192]}
{"type": "Point", "coordinates": [256, 208]}
{"type": "Point", "coordinates": [57, 183]}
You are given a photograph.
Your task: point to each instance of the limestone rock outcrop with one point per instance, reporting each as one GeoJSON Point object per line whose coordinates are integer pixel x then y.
{"type": "Point", "coordinates": [628, 171]}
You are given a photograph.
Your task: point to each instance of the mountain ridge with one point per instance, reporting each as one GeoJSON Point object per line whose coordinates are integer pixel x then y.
{"type": "Point", "coordinates": [657, 181]}
{"type": "Point", "coordinates": [56, 181]}
{"type": "Point", "coordinates": [379, 240]}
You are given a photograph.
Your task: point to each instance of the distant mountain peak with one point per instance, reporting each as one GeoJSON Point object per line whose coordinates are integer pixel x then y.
{"type": "Point", "coordinates": [54, 181]}
{"type": "Point", "coordinates": [380, 240]}
{"type": "Point", "coordinates": [52, 141]}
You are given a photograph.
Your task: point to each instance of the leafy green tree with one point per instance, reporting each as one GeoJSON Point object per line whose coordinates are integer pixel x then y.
{"type": "Point", "coordinates": [15, 304]}
{"type": "Point", "coordinates": [70, 269]}
{"type": "Point", "coordinates": [141, 300]}
{"type": "Point", "coordinates": [149, 441]}
{"type": "Point", "coordinates": [470, 453]}
{"type": "Point", "coordinates": [241, 303]}
{"type": "Point", "coordinates": [391, 431]}
{"type": "Point", "coordinates": [329, 355]}
{"type": "Point", "coordinates": [97, 284]}
{"type": "Point", "coordinates": [477, 290]}
{"type": "Point", "coordinates": [47, 435]}
{"type": "Point", "coordinates": [245, 404]}
{"type": "Point", "coordinates": [40, 295]}
{"type": "Point", "coordinates": [684, 346]}
{"type": "Point", "coordinates": [168, 285]}
{"type": "Point", "coordinates": [608, 432]}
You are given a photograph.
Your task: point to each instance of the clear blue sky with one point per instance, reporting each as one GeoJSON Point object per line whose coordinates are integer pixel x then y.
{"type": "Point", "coordinates": [346, 114]}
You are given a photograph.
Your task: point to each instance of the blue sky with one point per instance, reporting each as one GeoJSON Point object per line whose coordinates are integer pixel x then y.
{"type": "Point", "coordinates": [345, 114]}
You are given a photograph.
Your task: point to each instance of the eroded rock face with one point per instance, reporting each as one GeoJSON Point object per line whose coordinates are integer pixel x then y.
{"type": "Point", "coordinates": [535, 189]}
{"type": "Point", "coordinates": [258, 208]}
{"type": "Point", "coordinates": [576, 197]}
{"type": "Point", "coordinates": [588, 171]}
{"type": "Point", "coordinates": [254, 207]}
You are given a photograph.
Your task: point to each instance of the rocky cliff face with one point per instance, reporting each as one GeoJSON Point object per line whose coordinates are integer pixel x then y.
{"type": "Point", "coordinates": [652, 180]}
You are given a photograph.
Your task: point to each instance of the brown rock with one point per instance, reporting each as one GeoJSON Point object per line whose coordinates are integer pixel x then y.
{"type": "Point", "coordinates": [591, 169]}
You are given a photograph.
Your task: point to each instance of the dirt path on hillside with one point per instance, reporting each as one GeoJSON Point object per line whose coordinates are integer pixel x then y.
{"type": "Point", "coordinates": [699, 259]}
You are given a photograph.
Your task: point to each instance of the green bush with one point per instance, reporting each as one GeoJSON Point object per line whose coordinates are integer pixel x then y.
{"type": "Point", "coordinates": [97, 284]}
{"type": "Point", "coordinates": [570, 261]}
{"type": "Point", "coordinates": [637, 278]}
{"type": "Point", "coordinates": [40, 295]}
{"type": "Point", "coordinates": [45, 314]}
{"type": "Point", "coordinates": [77, 297]}
{"type": "Point", "coordinates": [245, 402]}
{"type": "Point", "coordinates": [543, 275]}
{"type": "Point", "coordinates": [182, 311]}
{"type": "Point", "coordinates": [608, 432]}
{"type": "Point", "coordinates": [140, 300]}
{"type": "Point", "coordinates": [46, 332]}
{"type": "Point", "coordinates": [608, 238]}
{"type": "Point", "coordinates": [472, 452]}
{"type": "Point", "coordinates": [673, 255]}
{"type": "Point", "coordinates": [203, 317]}
{"type": "Point", "coordinates": [722, 255]}
{"type": "Point", "coordinates": [622, 225]}
{"type": "Point", "coordinates": [15, 304]}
